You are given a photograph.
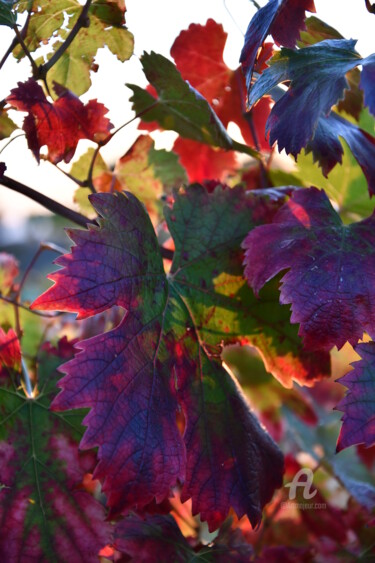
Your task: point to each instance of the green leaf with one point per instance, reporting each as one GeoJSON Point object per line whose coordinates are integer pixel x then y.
{"type": "Point", "coordinates": [316, 31]}
{"type": "Point", "coordinates": [179, 107]}
{"type": "Point", "coordinates": [7, 16]}
{"type": "Point", "coordinates": [346, 184]}
{"type": "Point", "coordinates": [7, 126]}
{"type": "Point", "coordinates": [106, 28]}
{"type": "Point", "coordinates": [143, 170]}
{"type": "Point", "coordinates": [209, 278]}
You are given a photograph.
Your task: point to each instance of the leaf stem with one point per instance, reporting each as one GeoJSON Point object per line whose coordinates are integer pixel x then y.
{"type": "Point", "coordinates": [130, 121]}
{"type": "Point", "coordinates": [240, 147]}
{"type": "Point", "coordinates": [46, 202]}
{"type": "Point", "coordinates": [60, 209]}
{"type": "Point", "coordinates": [89, 182]}
{"type": "Point", "coordinates": [11, 141]}
{"type": "Point", "coordinates": [258, 7]}
{"type": "Point", "coordinates": [26, 50]}
{"type": "Point", "coordinates": [82, 21]}
{"type": "Point", "coordinates": [15, 41]}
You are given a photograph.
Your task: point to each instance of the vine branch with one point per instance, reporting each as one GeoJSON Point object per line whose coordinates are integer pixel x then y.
{"type": "Point", "coordinates": [15, 41]}
{"type": "Point", "coordinates": [46, 202]}
{"type": "Point", "coordinates": [25, 50]}
{"type": "Point", "coordinates": [60, 209]}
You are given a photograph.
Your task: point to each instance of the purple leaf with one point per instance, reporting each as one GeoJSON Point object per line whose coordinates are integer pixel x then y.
{"type": "Point", "coordinates": [358, 404]}
{"type": "Point", "coordinates": [330, 282]}
{"type": "Point", "coordinates": [327, 149]}
{"type": "Point", "coordinates": [283, 19]}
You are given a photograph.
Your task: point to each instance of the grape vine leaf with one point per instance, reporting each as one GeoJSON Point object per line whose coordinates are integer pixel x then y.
{"type": "Point", "coordinates": [316, 31]}
{"type": "Point", "coordinates": [358, 404]}
{"type": "Point", "coordinates": [330, 299]}
{"type": "Point", "coordinates": [202, 161]}
{"type": "Point", "coordinates": [198, 53]}
{"type": "Point", "coordinates": [159, 538]}
{"type": "Point", "coordinates": [7, 126]}
{"type": "Point", "coordinates": [317, 82]}
{"type": "Point", "coordinates": [345, 185]}
{"type": "Point", "coordinates": [283, 19]}
{"type": "Point", "coordinates": [352, 103]}
{"type": "Point", "coordinates": [61, 124]}
{"type": "Point", "coordinates": [144, 171]}
{"type": "Point", "coordinates": [106, 28]}
{"type": "Point", "coordinates": [7, 15]}
{"type": "Point", "coordinates": [163, 354]}
{"type": "Point", "coordinates": [327, 150]}
{"type": "Point", "coordinates": [45, 514]}
{"type": "Point", "coordinates": [178, 106]}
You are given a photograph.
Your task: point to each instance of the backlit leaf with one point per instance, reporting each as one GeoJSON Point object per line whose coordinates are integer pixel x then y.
{"type": "Point", "coordinates": [202, 161]}
{"type": "Point", "coordinates": [358, 404]}
{"type": "Point", "coordinates": [317, 82]}
{"type": "Point", "coordinates": [142, 170]}
{"type": "Point", "coordinates": [45, 513]}
{"type": "Point", "coordinates": [179, 106]}
{"type": "Point", "coordinates": [327, 149]}
{"type": "Point", "coordinates": [198, 53]}
{"type": "Point", "coordinates": [7, 126]}
{"type": "Point", "coordinates": [166, 352]}
{"type": "Point", "coordinates": [106, 28]}
{"type": "Point", "coordinates": [61, 124]}
{"type": "Point", "coordinates": [331, 298]}
{"type": "Point", "coordinates": [283, 19]}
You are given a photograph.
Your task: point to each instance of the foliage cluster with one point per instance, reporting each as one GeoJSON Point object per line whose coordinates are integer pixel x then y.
{"type": "Point", "coordinates": [218, 296]}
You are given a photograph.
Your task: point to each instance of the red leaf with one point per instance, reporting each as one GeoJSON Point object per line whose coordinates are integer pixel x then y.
{"type": "Point", "coordinates": [61, 124]}
{"type": "Point", "coordinates": [10, 351]}
{"type": "Point", "coordinates": [331, 298]}
{"type": "Point", "coordinates": [359, 403]}
{"type": "Point", "coordinates": [202, 161]}
{"type": "Point", "coordinates": [198, 53]}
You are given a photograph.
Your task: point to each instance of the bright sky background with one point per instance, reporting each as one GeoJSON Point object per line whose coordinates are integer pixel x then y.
{"type": "Point", "coordinates": [155, 25]}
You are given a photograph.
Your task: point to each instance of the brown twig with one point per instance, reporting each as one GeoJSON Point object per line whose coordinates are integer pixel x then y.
{"type": "Point", "coordinates": [46, 202]}
{"type": "Point", "coordinates": [15, 41]}
{"type": "Point", "coordinates": [26, 50]}
{"type": "Point", "coordinates": [60, 209]}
